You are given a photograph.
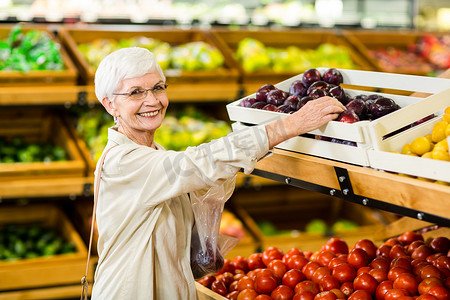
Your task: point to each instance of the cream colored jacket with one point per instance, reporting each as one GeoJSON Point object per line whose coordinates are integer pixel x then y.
{"type": "Point", "coordinates": [144, 215]}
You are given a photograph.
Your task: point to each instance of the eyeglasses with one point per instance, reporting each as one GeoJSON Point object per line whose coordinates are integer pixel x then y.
{"type": "Point", "coordinates": [139, 94]}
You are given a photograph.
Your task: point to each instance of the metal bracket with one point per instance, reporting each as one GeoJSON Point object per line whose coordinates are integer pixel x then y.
{"type": "Point", "coordinates": [82, 98]}
{"type": "Point", "coordinates": [345, 184]}
{"type": "Point", "coordinates": [87, 189]}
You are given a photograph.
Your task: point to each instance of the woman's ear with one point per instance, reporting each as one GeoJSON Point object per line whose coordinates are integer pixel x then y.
{"type": "Point", "coordinates": [110, 107]}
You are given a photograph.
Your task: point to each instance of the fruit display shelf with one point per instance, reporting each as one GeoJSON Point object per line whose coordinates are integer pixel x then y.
{"type": "Point", "coordinates": [66, 76]}
{"type": "Point", "coordinates": [72, 36]}
{"type": "Point", "coordinates": [400, 51]}
{"type": "Point", "coordinates": [365, 134]}
{"type": "Point", "coordinates": [27, 135]}
{"type": "Point", "coordinates": [305, 40]}
{"type": "Point", "coordinates": [58, 269]}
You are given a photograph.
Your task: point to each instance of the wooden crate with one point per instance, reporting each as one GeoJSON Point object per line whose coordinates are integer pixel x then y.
{"type": "Point", "coordinates": [72, 36]}
{"type": "Point", "coordinates": [303, 39]}
{"type": "Point", "coordinates": [67, 76]}
{"type": "Point", "coordinates": [365, 40]}
{"type": "Point", "coordinates": [54, 270]}
{"type": "Point", "coordinates": [291, 208]}
{"type": "Point", "coordinates": [40, 125]}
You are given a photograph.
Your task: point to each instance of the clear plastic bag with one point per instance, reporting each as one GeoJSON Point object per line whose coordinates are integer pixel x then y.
{"type": "Point", "coordinates": [208, 247]}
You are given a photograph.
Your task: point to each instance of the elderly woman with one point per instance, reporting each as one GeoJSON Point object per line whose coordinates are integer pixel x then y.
{"type": "Point", "coordinates": [144, 215]}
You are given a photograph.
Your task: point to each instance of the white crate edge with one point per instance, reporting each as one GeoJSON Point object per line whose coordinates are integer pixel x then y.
{"type": "Point", "coordinates": [407, 164]}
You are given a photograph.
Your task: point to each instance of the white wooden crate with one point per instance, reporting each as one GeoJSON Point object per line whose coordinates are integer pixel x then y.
{"type": "Point", "coordinates": [360, 132]}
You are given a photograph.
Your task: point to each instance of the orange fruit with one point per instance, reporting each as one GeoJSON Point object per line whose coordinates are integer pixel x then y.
{"type": "Point", "coordinates": [440, 155]}
{"type": "Point", "coordinates": [442, 145]}
{"type": "Point", "coordinates": [420, 145]}
{"type": "Point", "coordinates": [447, 110]}
{"type": "Point", "coordinates": [438, 133]}
{"type": "Point", "coordinates": [447, 130]}
{"type": "Point", "coordinates": [426, 155]}
{"type": "Point", "coordinates": [446, 118]}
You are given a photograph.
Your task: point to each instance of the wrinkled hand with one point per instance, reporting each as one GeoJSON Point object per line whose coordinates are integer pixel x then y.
{"type": "Point", "coordinates": [312, 115]}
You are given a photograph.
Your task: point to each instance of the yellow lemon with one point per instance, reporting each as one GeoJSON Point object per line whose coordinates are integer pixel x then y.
{"type": "Point", "coordinates": [428, 137]}
{"type": "Point", "coordinates": [438, 133]}
{"type": "Point", "coordinates": [406, 149]}
{"type": "Point", "coordinates": [426, 155]}
{"type": "Point", "coordinates": [442, 145]}
{"type": "Point", "coordinates": [425, 179]}
{"type": "Point", "coordinates": [447, 110]}
{"type": "Point", "coordinates": [446, 118]}
{"type": "Point", "coordinates": [442, 182]}
{"type": "Point", "coordinates": [420, 145]}
{"type": "Point", "coordinates": [447, 130]}
{"type": "Point", "coordinates": [440, 155]}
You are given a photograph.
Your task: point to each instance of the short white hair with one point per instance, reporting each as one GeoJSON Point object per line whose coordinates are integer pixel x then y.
{"type": "Point", "coordinates": [123, 64]}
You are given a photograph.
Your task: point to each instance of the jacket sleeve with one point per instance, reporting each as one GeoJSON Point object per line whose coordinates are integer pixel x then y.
{"type": "Point", "coordinates": [167, 174]}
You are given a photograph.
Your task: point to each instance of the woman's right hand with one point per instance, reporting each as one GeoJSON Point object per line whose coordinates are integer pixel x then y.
{"type": "Point", "coordinates": [312, 115]}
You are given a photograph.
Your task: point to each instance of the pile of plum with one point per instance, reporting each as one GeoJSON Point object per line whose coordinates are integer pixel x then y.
{"type": "Point", "coordinates": [405, 267]}
{"type": "Point", "coordinates": [314, 85]}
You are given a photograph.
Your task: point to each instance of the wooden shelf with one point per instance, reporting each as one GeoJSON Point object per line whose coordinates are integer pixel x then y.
{"type": "Point", "coordinates": [369, 184]}
{"type": "Point", "coordinates": [71, 94]}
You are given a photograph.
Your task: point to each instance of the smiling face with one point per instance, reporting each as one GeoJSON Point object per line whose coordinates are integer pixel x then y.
{"type": "Point", "coordinates": [138, 119]}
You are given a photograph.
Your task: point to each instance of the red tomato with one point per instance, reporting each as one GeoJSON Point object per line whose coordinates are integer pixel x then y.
{"type": "Point", "coordinates": [278, 267]}
{"type": "Point", "coordinates": [238, 276]}
{"type": "Point", "coordinates": [327, 295]}
{"type": "Point", "coordinates": [245, 283]}
{"type": "Point", "coordinates": [338, 293]}
{"type": "Point", "coordinates": [442, 262]}
{"type": "Point", "coordinates": [368, 246]}
{"type": "Point", "coordinates": [426, 284]}
{"type": "Point", "coordinates": [297, 262]}
{"type": "Point", "coordinates": [409, 236]}
{"type": "Point", "coordinates": [406, 281]}
{"type": "Point", "coordinates": [219, 287]}
{"type": "Point", "coordinates": [305, 295]}
{"type": "Point", "coordinates": [263, 297]}
{"type": "Point", "coordinates": [426, 297]}
{"type": "Point", "coordinates": [405, 298]}
{"type": "Point", "coordinates": [291, 252]}
{"type": "Point", "coordinates": [282, 292]}
{"type": "Point", "coordinates": [328, 282]}
{"type": "Point", "coordinates": [241, 263]}
{"type": "Point", "coordinates": [361, 270]}
{"type": "Point", "coordinates": [366, 282]}
{"type": "Point", "coordinates": [380, 262]}
{"type": "Point", "coordinates": [416, 262]}
{"type": "Point", "coordinates": [395, 271]}
{"type": "Point", "coordinates": [344, 272]}
{"type": "Point", "coordinates": [414, 245]}
{"type": "Point", "coordinates": [423, 251]}
{"type": "Point", "coordinates": [440, 244]}
{"type": "Point", "coordinates": [232, 295]}
{"type": "Point", "coordinates": [395, 294]}
{"type": "Point", "coordinates": [347, 288]}
{"type": "Point", "coordinates": [264, 283]}
{"type": "Point", "coordinates": [255, 261]}
{"type": "Point", "coordinates": [440, 292]}
{"type": "Point", "coordinates": [226, 277]}
{"type": "Point", "coordinates": [358, 258]}
{"type": "Point", "coordinates": [324, 257]}
{"type": "Point", "coordinates": [207, 280]}
{"type": "Point", "coordinates": [292, 277]}
{"type": "Point", "coordinates": [307, 285]}
{"type": "Point", "coordinates": [417, 270]}
{"type": "Point", "coordinates": [379, 274]}
{"type": "Point", "coordinates": [384, 251]}
{"type": "Point", "coordinates": [392, 241]}
{"type": "Point", "coordinates": [319, 273]}
{"type": "Point", "coordinates": [335, 261]}
{"type": "Point", "coordinates": [382, 289]}
{"type": "Point", "coordinates": [397, 251]}
{"type": "Point", "coordinates": [252, 274]}
{"type": "Point", "coordinates": [310, 268]}
{"type": "Point", "coordinates": [433, 257]}
{"type": "Point", "coordinates": [270, 254]}
{"type": "Point", "coordinates": [403, 261]}
{"type": "Point", "coordinates": [430, 271]}
{"type": "Point", "coordinates": [360, 295]}
{"type": "Point", "coordinates": [233, 286]}
{"type": "Point", "coordinates": [228, 266]}
{"type": "Point", "coordinates": [336, 245]}
{"type": "Point", "coordinates": [247, 294]}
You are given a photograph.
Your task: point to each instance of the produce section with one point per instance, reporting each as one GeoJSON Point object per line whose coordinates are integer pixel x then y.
{"type": "Point", "coordinates": [83, 144]}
